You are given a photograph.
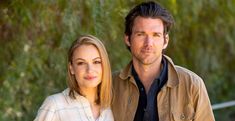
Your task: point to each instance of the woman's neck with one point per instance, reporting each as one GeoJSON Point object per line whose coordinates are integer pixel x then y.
{"type": "Point", "coordinates": [91, 96]}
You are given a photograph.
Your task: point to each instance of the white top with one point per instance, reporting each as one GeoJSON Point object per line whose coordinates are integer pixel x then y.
{"type": "Point", "coordinates": [61, 107]}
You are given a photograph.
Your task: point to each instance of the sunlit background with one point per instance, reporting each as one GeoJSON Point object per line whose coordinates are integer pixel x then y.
{"type": "Point", "coordinates": [36, 34]}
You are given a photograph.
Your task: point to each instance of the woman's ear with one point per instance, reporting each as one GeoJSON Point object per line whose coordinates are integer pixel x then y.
{"type": "Point", "coordinates": [166, 41]}
{"type": "Point", "coordinates": [71, 69]}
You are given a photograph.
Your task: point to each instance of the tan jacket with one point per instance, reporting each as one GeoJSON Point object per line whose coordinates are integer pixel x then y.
{"type": "Point", "coordinates": [182, 98]}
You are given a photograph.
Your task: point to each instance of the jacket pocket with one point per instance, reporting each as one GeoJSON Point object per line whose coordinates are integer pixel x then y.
{"type": "Point", "coordinates": [187, 114]}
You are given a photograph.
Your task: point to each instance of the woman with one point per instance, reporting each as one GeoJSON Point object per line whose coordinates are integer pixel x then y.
{"type": "Point", "coordinates": [88, 95]}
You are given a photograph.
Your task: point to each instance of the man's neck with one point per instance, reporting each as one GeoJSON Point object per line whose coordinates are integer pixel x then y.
{"type": "Point", "coordinates": [147, 73]}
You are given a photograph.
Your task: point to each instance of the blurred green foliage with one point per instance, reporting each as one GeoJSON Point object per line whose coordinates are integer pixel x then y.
{"type": "Point", "coordinates": [35, 36]}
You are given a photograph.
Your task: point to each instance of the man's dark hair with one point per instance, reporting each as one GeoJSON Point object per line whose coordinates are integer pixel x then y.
{"type": "Point", "coordinates": [149, 10]}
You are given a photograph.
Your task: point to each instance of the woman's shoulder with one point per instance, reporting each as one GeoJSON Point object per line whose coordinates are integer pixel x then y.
{"type": "Point", "coordinates": [55, 106]}
{"type": "Point", "coordinates": [57, 100]}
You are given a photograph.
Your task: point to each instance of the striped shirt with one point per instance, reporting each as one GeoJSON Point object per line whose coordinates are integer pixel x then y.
{"type": "Point", "coordinates": [61, 107]}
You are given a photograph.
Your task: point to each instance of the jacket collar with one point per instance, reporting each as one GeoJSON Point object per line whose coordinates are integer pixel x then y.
{"type": "Point", "coordinates": [172, 81]}
{"type": "Point", "coordinates": [126, 73]}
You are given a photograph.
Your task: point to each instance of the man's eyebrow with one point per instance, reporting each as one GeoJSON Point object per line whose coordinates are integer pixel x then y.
{"type": "Point", "coordinates": [138, 31]}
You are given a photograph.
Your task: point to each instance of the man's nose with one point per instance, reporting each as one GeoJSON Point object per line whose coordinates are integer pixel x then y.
{"type": "Point", "coordinates": [148, 40]}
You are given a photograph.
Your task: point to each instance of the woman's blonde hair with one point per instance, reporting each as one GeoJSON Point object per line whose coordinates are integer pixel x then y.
{"type": "Point", "coordinates": [104, 92]}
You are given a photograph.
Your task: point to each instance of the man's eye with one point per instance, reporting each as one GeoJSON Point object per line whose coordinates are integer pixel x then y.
{"type": "Point", "coordinates": [80, 63]}
{"type": "Point", "coordinates": [140, 34]}
{"type": "Point", "coordinates": [156, 35]}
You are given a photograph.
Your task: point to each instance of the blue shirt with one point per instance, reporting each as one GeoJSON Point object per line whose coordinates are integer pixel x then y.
{"type": "Point", "coordinates": [147, 105]}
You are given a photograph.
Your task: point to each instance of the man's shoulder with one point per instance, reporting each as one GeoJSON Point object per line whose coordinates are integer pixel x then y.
{"type": "Point", "coordinates": [115, 74]}
{"type": "Point", "coordinates": [116, 77]}
{"type": "Point", "coordinates": [184, 70]}
{"type": "Point", "coordinates": [188, 76]}
{"type": "Point", "coordinates": [120, 78]}
{"type": "Point", "coordinates": [184, 73]}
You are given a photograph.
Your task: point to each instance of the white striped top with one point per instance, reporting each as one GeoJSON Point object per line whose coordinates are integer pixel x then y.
{"type": "Point", "coordinates": [61, 107]}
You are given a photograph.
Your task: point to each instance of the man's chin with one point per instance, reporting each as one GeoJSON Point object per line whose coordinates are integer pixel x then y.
{"type": "Point", "coordinates": [147, 62]}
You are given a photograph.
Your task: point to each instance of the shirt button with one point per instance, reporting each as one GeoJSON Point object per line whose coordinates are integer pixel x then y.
{"type": "Point", "coordinates": [142, 89]}
{"type": "Point", "coordinates": [182, 116]}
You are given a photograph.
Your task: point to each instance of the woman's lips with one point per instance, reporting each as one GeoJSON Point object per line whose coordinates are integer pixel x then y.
{"type": "Point", "coordinates": [90, 77]}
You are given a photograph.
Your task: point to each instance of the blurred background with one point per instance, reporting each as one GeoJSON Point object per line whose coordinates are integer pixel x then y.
{"type": "Point", "coordinates": [36, 34]}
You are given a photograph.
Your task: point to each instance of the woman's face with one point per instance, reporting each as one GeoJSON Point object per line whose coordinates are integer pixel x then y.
{"type": "Point", "coordinates": [86, 66]}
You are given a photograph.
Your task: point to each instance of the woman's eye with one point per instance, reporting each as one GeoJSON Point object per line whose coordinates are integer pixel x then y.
{"type": "Point", "coordinates": [97, 62]}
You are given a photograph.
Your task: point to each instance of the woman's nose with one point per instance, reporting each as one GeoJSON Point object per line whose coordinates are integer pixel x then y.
{"type": "Point", "coordinates": [90, 67]}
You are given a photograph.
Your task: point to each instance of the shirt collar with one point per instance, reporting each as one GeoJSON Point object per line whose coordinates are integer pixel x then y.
{"type": "Point", "coordinates": [171, 73]}
{"type": "Point", "coordinates": [164, 71]}
{"type": "Point", "coordinates": [162, 77]}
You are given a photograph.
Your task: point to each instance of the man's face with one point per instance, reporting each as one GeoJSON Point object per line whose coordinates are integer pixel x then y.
{"type": "Point", "coordinates": [147, 40]}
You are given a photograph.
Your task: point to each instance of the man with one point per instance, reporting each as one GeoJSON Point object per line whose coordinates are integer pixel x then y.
{"type": "Point", "coordinates": [151, 87]}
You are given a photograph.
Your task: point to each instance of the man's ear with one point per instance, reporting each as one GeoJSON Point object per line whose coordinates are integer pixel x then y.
{"type": "Point", "coordinates": [166, 41]}
{"type": "Point", "coordinates": [127, 40]}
